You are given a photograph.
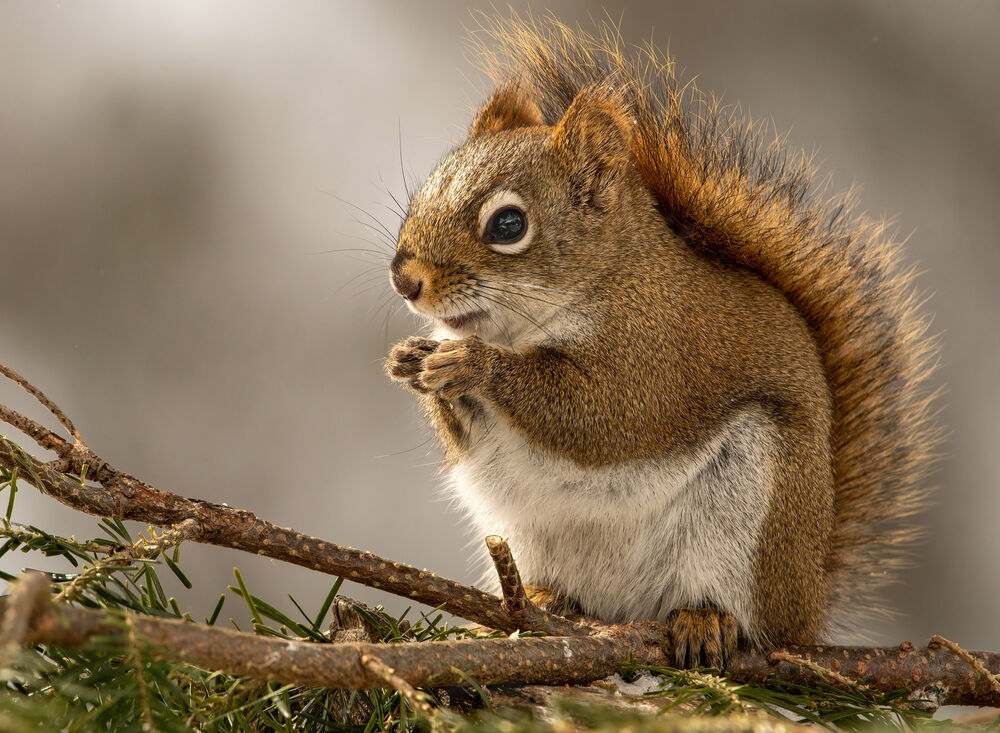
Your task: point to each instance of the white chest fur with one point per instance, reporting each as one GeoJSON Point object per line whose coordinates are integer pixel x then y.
{"type": "Point", "coordinates": [633, 540]}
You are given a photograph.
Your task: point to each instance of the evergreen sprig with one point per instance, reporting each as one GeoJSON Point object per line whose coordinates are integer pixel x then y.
{"type": "Point", "coordinates": [120, 682]}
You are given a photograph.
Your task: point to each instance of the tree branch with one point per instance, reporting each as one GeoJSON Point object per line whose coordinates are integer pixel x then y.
{"type": "Point", "coordinates": [548, 660]}
{"type": "Point", "coordinates": [932, 672]}
{"type": "Point", "coordinates": [578, 654]}
{"type": "Point", "coordinates": [218, 524]}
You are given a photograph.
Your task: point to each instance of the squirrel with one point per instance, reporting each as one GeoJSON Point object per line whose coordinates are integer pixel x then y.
{"type": "Point", "coordinates": [684, 384]}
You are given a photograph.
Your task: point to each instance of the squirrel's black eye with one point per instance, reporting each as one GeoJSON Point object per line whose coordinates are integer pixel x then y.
{"type": "Point", "coordinates": [506, 226]}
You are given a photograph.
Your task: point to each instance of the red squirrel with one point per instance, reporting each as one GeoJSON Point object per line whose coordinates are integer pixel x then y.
{"type": "Point", "coordinates": [682, 383]}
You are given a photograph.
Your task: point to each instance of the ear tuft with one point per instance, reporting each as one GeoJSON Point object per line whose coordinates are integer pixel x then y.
{"type": "Point", "coordinates": [509, 107]}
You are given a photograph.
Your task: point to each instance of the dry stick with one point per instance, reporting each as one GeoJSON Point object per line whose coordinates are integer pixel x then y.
{"type": "Point", "coordinates": [417, 699]}
{"type": "Point", "coordinates": [124, 496]}
{"type": "Point", "coordinates": [128, 498]}
{"type": "Point", "coordinates": [543, 660]}
{"type": "Point", "coordinates": [43, 399]}
{"type": "Point", "coordinates": [522, 611]}
{"type": "Point", "coordinates": [514, 597]}
{"type": "Point", "coordinates": [39, 433]}
{"type": "Point", "coordinates": [968, 658]}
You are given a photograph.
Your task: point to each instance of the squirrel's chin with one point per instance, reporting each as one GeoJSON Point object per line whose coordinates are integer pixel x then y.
{"type": "Point", "coordinates": [464, 321]}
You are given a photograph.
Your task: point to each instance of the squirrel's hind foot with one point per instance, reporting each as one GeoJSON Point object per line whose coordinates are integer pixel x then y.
{"type": "Point", "coordinates": [551, 600]}
{"type": "Point", "coordinates": [702, 637]}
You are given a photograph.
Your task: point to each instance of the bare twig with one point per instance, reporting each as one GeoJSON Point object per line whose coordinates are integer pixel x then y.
{"type": "Point", "coordinates": [514, 597]}
{"type": "Point", "coordinates": [418, 700]}
{"type": "Point", "coordinates": [43, 399]}
{"type": "Point", "coordinates": [993, 679]}
{"type": "Point", "coordinates": [523, 613]}
{"type": "Point", "coordinates": [36, 431]}
{"type": "Point", "coordinates": [125, 497]}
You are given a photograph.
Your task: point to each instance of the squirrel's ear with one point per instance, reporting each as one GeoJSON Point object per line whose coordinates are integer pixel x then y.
{"type": "Point", "coordinates": [509, 107]}
{"type": "Point", "coordinates": [593, 141]}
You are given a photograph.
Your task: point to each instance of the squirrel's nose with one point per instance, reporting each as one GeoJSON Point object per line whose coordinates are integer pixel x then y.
{"type": "Point", "coordinates": [403, 279]}
{"type": "Point", "coordinates": [407, 287]}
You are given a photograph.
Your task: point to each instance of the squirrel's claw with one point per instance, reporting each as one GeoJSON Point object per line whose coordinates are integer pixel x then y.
{"type": "Point", "coordinates": [702, 637]}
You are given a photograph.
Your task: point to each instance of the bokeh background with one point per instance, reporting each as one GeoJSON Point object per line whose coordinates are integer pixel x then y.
{"type": "Point", "coordinates": [175, 178]}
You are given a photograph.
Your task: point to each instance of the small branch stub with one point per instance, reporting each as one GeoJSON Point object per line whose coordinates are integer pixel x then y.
{"type": "Point", "coordinates": [514, 598]}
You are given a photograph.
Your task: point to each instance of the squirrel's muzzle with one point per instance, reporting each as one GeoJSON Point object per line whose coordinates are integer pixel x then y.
{"type": "Point", "coordinates": [404, 281]}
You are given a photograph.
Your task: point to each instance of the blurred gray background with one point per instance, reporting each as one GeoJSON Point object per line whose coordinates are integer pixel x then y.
{"type": "Point", "coordinates": [172, 182]}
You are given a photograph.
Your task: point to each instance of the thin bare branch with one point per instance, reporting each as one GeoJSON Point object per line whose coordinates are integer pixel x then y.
{"type": "Point", "coordinates": [36, 431]}
{"type": "Point", "coordinates": [123, 496]}
{"type": "Point", "coordinates": [418, 700]}
{"type": "Point", "coordinates": [47, 403]}
{"type": "Point", "coordinates": [524, 614]}
{"type": "Point", "coordinates": [993, 678]}
{"type": "Point", "coordinates": [514, 596]}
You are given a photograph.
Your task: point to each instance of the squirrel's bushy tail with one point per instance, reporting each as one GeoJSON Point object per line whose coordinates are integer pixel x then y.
{"type": "Point", "coordinates": [728, 185]}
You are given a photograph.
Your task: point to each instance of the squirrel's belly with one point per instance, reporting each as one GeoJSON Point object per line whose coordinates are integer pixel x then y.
{"type": "Point", "coordinates": [632, 540]}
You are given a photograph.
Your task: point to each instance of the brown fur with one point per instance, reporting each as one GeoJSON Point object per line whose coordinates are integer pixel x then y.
{"type": "Point", "coordinates": [724, 185]}
{"type": "Point", "coordinates": [705, 280]}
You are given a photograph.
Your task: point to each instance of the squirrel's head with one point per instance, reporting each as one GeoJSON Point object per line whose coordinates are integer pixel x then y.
{"type": "Point", "coordinates": [505, 234]}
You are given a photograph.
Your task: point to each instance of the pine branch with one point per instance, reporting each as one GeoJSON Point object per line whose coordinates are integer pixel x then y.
{"type": "Point", "coordinates": [930, 672]}
{"type": "Point", "coordinates": [574, 653]}
{"type": "Point", "coordinates": [123, 496]}
{"type": "Point", "coordinates": [547, 660]}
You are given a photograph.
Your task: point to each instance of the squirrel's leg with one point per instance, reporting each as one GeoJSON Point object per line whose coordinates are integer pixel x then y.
{"type": "Point", "coordinates": [405, 364]}
{"type": "Point", "coordinates": [449, 426]}
{"type": "Point", "coordinates": [791, 577]}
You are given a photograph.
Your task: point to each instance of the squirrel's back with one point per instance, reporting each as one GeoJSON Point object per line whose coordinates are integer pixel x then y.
{"type": "Point", "coordinates": [727, 186]}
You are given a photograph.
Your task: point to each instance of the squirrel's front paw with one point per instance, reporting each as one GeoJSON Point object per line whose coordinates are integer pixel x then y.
{"type": "Point", "coordinates": [702, 637]}
{"type": "Point", "coordinates": [456, 368]}
{"type": "Point", "coordinates": [406, 360]}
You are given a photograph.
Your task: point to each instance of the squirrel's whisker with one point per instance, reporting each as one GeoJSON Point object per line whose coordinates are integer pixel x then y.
{"type": "Point", "coordinates": [517, 312]}
{"type": "Point", "coordinates": [482, 284]}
